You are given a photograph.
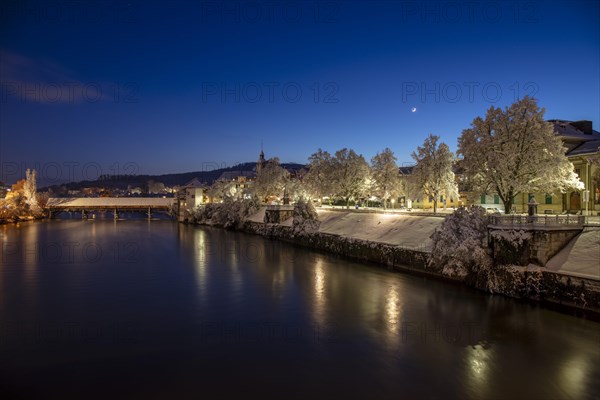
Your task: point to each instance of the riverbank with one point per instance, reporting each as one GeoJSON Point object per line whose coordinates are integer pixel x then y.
{"type": "Point", "coordinates": [19, 219]}
{"type": "Point", "coordinates": [402, 243]}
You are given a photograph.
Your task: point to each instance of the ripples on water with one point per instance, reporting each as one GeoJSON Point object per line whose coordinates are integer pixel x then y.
{"type": "Point", "coordinates": [99, 309]}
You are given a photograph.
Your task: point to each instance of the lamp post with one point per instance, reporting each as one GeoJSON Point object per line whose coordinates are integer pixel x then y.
{"type": "Point", "coordinates": [393, 200]}
{"type": "Point", "coordinates": [532, 209]}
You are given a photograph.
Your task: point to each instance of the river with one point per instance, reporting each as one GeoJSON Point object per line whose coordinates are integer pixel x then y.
{"type": "Point", "coordinates": [156, 309]}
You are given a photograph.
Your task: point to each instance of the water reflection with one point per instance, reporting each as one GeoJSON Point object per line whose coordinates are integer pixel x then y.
{"type": "Point", "coordinates": [320, 296]}
{"type": "Point", "coordinates": [206, 304]}
{"type": "Point", "coordinates": [392, 309]}
{"type": "Point", "coordinates": [201, 248]}
{"type": "Point", "coordinates": [572, 375]}
{"type": "Point", "coordinates": [478, 360]}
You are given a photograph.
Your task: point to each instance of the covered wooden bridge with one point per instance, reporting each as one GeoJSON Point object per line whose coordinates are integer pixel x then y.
{"type": "Point", "coordinates": [84, 205]}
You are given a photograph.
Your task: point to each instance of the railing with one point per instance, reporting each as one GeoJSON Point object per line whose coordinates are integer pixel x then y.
{"type": "Point", "coordinates": [271, 207]}
{"type": "Point", "coordinates": [538, 220]}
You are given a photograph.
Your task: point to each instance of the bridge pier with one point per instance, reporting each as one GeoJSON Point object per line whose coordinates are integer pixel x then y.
{"type": "Point", "coordinates": [149, 213]}
{"type": "Point", "coordinates": [115, 214]}
{"type": "Point", "coordinates": [82, 214]}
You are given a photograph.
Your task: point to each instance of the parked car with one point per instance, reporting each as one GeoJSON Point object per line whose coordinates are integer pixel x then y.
{"type": "Point", "coordinates": [494, 210]}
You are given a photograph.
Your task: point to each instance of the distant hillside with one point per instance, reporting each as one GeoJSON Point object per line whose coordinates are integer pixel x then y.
{"type": "Point", "coordinates": [169, 180]}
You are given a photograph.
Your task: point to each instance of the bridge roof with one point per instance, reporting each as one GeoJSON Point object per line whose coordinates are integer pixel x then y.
{"type": "Point", "coordinates": [110, 202]}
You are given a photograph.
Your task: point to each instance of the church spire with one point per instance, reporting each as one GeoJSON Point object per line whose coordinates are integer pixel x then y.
{"type": "Point", "coordinates": [261, 160]}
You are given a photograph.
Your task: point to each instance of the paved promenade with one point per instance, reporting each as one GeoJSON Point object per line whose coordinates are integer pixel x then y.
{"type": "Point", "coordinates": [581, 257]}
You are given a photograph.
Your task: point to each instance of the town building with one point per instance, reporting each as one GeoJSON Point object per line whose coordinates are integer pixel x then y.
{"type": "Point", "coordinates": [239, 183]}
{"type": "Point", "coordinates": [582, 145]}
{"type": "Point", "coordinates": [417, 200]}
{"type": "Point", "coordinates": [190, 196]}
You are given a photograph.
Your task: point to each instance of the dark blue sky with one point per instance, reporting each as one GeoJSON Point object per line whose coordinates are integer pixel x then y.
{"type": "Point", "coordinates": [160, 87]}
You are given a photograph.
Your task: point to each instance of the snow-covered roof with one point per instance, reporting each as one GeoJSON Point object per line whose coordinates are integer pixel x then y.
{"type": "Point", "coordinates": [231, 175]}
{"type": "Point", "coordinates": [110, 202]}
{"type": "Point", "coordinates": [195, 183]}
{"type": "Point", "coordinates": [578, 136]}
{"type": "Point", "coordinates": [574, 129]}
{"type": "Point", "coordinates": [591, 147]}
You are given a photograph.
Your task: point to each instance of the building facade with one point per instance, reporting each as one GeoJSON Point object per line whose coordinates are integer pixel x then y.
{"type": "Point", "coordinates": [190, 196]}
{"type": "Point", "coordinates": [582, 145]}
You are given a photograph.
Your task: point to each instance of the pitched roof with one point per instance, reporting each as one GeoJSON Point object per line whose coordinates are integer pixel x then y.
{"type": "Point", "coordinates": [110, 202]}
{"type": "Point", "coordinates": [195, 183]}
{"type": "Point", "coordinates": [231, 175]}
{"type": "Point", "coordinates": [590, 147]}
{"type": "Point", "coordinates": [578, 136]}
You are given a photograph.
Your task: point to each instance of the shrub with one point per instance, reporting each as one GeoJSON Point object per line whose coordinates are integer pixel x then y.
{"type": "Point", "coordinates": [229, 214]}
{"type": "Point", "coordinates": [305, 217]}
{"type": "Point", "coordinates": [460, 245]}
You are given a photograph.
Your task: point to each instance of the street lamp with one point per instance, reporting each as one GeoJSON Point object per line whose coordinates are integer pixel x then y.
{"type": "Point", "coordinates": [393, 200]}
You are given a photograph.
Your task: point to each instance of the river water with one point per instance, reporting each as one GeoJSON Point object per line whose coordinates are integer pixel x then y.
{"type": "Point", "coordinates": [156, 309]}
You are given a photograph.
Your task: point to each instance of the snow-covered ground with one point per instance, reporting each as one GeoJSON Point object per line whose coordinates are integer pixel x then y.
{"type": "Point", "coordinates": [581, 256]}
{"type": "Point", "coordinates": [288, 222]}
{"type": "Point", "coordinates": [395, 210]}
{"type": "Point", "coordinates": [410, 231]}
{"type": "Point", "coordinates": [398, 229]}
{"type": "Point", "coordinates": [259, 216]}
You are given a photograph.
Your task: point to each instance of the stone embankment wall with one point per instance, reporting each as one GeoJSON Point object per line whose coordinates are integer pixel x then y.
{"type": "Point", "coordinates": [548, 286]}
{"type": "Point", "coordinates": [518, 282]}
{"type": "Point", "coordinates": [539, 246]}
{"type": "Point", "coordinates": [393, 256]}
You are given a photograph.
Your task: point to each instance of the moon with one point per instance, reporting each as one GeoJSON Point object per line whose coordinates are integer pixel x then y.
{"type": "Point", "coordinates": [414, 109]}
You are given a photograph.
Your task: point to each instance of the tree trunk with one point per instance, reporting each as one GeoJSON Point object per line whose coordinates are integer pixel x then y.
{"type": "Point", "coordinates": [347, 202]}
{"type": "Point", "coordinates": [435, 204]}
{"type": "Point", "coordinates": [507, 205]}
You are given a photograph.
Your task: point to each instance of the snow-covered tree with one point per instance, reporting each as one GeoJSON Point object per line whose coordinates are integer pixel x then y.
{"type": "Point", "coordinates": [350, 173]}
{"type": "Point", "coordinates": [229, 214]}
{"type": "Point", "coordinates": [272, 180]}
{"type": "Point", "coordinates": [222, 189]}
{"type": "Point", "coordinates": [296, 188]}
{"type": "Point", "coordinates": [514, 151]}
{"type": "Point", "coordinates": [23, 200]}
{"type": "Point", "coordinates": [305, 217]}
{"type": "Point", "coordinates": [155, 187]}
{"type": "Point", "coordinates": [385, 176]}
{"type": "Point", "coordinates": [12, 206]}
{"type": "Point", "coordinates": [318, 179]}
{"type": "Point", "coordinates": [30, 190]}
{"type": "Point", "coordinates": [433, 171]}
{"type": "Point", "coordinates": [408, 186]}
{"type": "Point", "coordinates": [460, 244]}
